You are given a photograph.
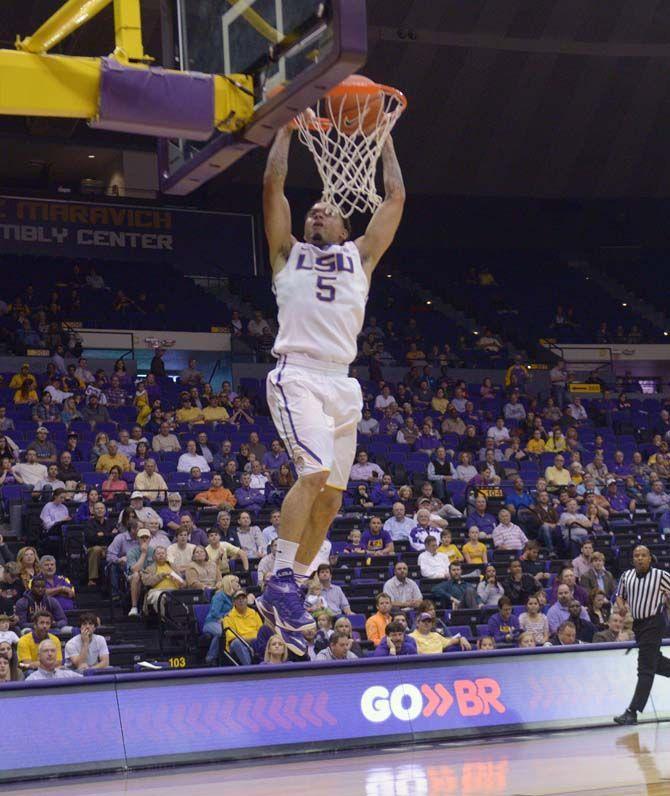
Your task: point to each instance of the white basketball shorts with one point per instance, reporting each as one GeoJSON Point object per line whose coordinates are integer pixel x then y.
{"type": "Point", "coordinates": [316, 408]}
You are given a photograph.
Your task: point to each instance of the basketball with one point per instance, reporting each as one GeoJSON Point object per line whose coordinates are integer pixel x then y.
{"type": "Point", "coordinates": [346, 107]}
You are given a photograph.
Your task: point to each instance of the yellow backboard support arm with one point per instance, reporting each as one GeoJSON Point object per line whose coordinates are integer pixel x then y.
{"type": "Point", "coordinates": [69, 87]}
{"type": "Point", "coordinates": [128, 31]}
{"type": "Point", "coordinates": [48, 85]}
{"type": "Point", "coordinates": [70, 16]}
{"type": "Point", "coordinates": [35, 83]}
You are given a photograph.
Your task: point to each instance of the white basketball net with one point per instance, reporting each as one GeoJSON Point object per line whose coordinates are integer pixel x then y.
{"type": "Point", "coordinates": [347, 161]}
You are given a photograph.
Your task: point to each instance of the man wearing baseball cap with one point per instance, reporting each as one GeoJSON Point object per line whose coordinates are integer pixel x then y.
{"type": "Point", "coordinates": [429, 642]}
{"type": "Point", "coordinates": [138, 560]}
{"type": "Point", "coordinates": [246, 623]}
{"type": "Point", "coordinates": [44, 449]}
{"type": "Point", "coordinates": [144, 513]}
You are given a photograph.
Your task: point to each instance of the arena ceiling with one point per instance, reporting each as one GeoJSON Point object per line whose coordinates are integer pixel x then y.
{"type": "Point", "coordinates": [546, 98]}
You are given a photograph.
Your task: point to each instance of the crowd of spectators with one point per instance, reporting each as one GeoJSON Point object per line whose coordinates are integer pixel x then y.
{"type": "Point", "coordinates": [476, 517]}
{"type": "Point", "coordinates": [46, 314]}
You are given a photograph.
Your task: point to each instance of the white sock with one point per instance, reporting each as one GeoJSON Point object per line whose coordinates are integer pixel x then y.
{"type": "Point", "coordinates": [301, 571]}
{"type": "Point", "coordinates": [285, 555]}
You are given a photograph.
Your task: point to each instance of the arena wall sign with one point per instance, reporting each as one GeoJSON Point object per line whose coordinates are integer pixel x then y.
{"type": "Point", "coordinates": [134, 721]}
{"type": "Point", "coordinates": [115, 231]}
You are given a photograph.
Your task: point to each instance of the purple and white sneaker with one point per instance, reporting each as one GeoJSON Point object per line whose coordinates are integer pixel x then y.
{"type": "Point", "coordinates": [282, 604]}
{"type": "Point", "coordinates": [294, 641]}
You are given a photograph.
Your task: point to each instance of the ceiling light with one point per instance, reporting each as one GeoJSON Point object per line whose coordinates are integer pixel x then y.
{"type": "Point", "coordinates": [623, 304]}
{"type": "Point", "coordinates": [91, 157]}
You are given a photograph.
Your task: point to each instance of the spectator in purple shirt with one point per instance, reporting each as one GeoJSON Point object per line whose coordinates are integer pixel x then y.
{"type": "Point", "coordinates": [619, 467]}
{"type": "Point", "coordinates": [395, 642]}
{"type": "Point", "coordinates": [567, 576]}
{"type": "Point", "coordinates": [389, 424]}
{"type": "Point", "coordinates": [427, 441]}
{"type": "Point", "coordinates": [196, 535]}
{"type": "Point", "coordinates": [471, 417]}
{"type": "Point", "coordinates": [504, 625]}
{"type": "Point", "coordinates": [171, 513]}
{"type": "Point", "coordinates": [423, 529]}
{"type": "Point", "coordinates": [249, 499]}
{"type": "Point", "coordinates": [479, 518]}
{"type": "Point", "coordinates": [385, 494]}
{"type": "Point", "coordinates": [275, 457]}
{"type": "Point", "coordinates": [57, 586]}
{"type": "Point", "coordinates": [619, 500]}
{"type": "Point", "coordinates": [35, 599]}
{"type": "Point", "coordinates": [376, 540]}
{"type": "Point", "coordinates": [224, 456]}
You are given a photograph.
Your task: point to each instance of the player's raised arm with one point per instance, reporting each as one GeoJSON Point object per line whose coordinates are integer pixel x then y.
{"type": "Point", "coordinates": [276, 210]}
{"type": "Point", "coordinates": [384, 223]}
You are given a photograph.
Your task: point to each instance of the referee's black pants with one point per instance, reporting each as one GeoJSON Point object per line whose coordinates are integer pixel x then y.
{"type": "Point", "coordinates": [648, 634]}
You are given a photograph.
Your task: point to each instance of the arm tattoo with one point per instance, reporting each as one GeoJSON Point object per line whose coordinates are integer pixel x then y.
{"type": "Point", "coordinates": [276, 168]}
{"type": "Point", "coordinates": [393, 182]}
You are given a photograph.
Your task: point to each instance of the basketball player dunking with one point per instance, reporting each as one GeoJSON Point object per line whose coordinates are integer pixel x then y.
{"type": "Point", "coordinates": [321, 287]}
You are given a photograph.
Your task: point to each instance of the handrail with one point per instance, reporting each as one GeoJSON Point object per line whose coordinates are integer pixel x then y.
{"type": "Point", "coordinates": [109, 332]}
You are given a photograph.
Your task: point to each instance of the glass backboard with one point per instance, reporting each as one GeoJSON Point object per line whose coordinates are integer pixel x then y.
{"type": "Point", "coordinates": [296, 50]}
{"type": "Point", "coordinates": [276, 40]}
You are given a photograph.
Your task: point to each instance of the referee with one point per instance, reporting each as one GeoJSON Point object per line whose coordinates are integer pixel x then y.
{"type": "Point", "coordinates": [643, 590]}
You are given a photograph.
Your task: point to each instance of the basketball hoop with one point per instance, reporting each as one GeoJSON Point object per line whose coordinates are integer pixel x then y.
{"type": "Point", "coordinates": [346, 135]}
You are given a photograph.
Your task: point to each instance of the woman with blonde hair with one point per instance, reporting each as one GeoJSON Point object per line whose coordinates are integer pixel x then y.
{"type": "Point", "coordinates": [29, 566]}
{"type": "Point", "coordinates": [99, 447]}
{"type": "Point", "coordinates": [202, 573]}
{"type": "Point", "coordinates": [406, 497]}
{"type": "Point", "coordinates": [343, 625]}
{"type": "Point", "coordinates": [221, 604]}
{"type": "Point", "coordinates": [276, 651]}
{"type": "Point", "coordinates": [70, 411]}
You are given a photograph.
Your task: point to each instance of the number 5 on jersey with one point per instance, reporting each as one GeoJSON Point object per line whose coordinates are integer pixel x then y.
{"type": "Point", "coordinates": [324, 290]}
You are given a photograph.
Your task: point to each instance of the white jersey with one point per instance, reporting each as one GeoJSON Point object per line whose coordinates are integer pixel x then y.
{"type": "Point", "coordinates": [321, 294]}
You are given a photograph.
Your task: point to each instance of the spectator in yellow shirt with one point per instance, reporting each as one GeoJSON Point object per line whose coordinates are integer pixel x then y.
{"type": "Point", "coordinates": [558, 475]}
{"type": "Point", "coordinates": [189, 413]}
{"type": "Point", "coordinates": [26, 393]}
{"type": "Point", "coordinates": [22, 376]}
{"type": "Point", "coordinates": [150, 482]}
{"type": "Point", "coordinates": [246, 623]}
{"type": "Point", "coordinates": [535, 445]}
{"type": "Point", "coordinates": [474, 551]}
{"type": "Point", "coordinates": [556, 442]}
{"type": "Point", "coordinates": [214, 412]}
{"type": "Point", "coordinates": [448, 547]}
{"type": "Point", "coordinates": [439, 403]}
{"type": "Point", "coordinates": [576, 473]}
{"type": "Point", "coordinates": [430, 642]}
{"type": "Point", "coordinates": [26, 649]}
{"type": "Point", "coordinates": [160, 576]}
{"type": "Point", "coordinates": [112, 458]}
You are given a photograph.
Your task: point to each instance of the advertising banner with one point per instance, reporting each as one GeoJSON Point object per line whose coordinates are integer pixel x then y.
{"type": "Point", "coordinates": [206, 715]}
{"type": "Point", "coordinates": [128, 232]}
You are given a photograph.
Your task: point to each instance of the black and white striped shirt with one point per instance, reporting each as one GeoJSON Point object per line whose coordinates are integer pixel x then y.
{"type": "Point", "coordinates": [644, 595]}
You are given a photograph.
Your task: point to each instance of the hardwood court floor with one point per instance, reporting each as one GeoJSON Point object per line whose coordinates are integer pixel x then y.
{"type": "Point", "coordinates": [596, 762]}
